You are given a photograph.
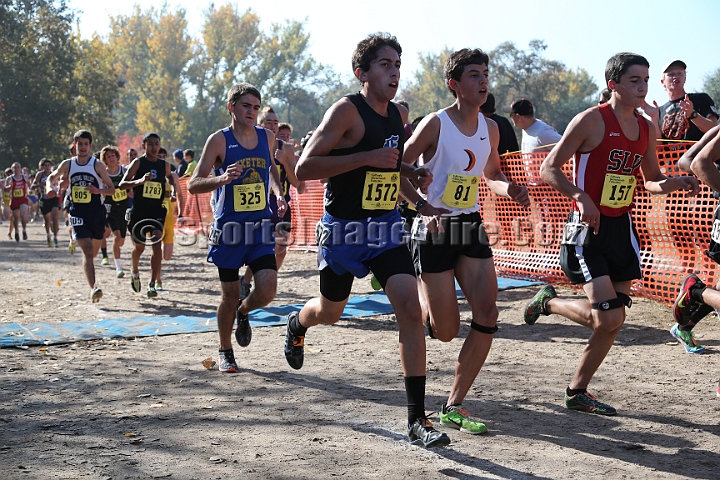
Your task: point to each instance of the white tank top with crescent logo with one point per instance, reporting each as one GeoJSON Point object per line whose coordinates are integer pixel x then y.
{"type": "Point", "coordinates": [460, 156]}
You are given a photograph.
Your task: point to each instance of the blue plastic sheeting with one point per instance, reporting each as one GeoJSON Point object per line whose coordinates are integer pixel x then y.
{"type": "Point", "coordinates": [40, 333]}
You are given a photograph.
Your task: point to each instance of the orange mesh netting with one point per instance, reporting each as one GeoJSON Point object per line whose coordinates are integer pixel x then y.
{"type": "Point", "coordinates": [674, 229]}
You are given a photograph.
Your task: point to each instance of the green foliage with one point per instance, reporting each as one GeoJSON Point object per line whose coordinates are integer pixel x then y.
{"type": "Point", "coordinates": [711, 85]}
{"type": "Point", "coordinates": [556, 92]}
{"type": "Point", "coordinates": [152, 52]}
{"type": "Point", "coordinates": [427, 92]}
{"type": "Point", "coordinates": [36, 60]}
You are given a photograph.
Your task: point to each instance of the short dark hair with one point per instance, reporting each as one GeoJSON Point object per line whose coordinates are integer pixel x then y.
{"type": "Point", "coordinates": [404, 104]}
{"type": "Point", "coordinates": [416, 121]}
{"type": "Point", "coordinates": [189, 153]}
{"type": "Point", "coordinates": [286, 126]}
{"type": "Point", "coordinates": [457, 61]}
{"type": "Point", "coordinates": [489, 105]}
{"type": "Point", "coordinates": [162, 150]}
{"type": "Point", "coordinates": [619, 64]}
{"type": "Point", "coordinates": [43, 161]}
{"type": "Point", "coordinates": [366, 50]}
{"type": "Point", "coordinates": [82, 134]}
{"type": "Point", "coordinates": [240, 89]}
{"type": "Point", "coordinates": [149, 135]}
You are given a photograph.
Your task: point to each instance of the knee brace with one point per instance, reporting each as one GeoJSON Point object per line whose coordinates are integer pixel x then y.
{"type": "Point", "coordinates": [483, 329]}
{"type": "Point", "coordinates": [608, 304]}
{"type": "Point", "coordinates": [625, 299]}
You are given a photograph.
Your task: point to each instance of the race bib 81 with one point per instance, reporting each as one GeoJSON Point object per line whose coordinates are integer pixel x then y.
{"type": "Point", "coordinates": [461, 191]}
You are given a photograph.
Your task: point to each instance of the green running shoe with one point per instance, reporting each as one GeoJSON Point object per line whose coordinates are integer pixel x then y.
{"type": "Point", "coordinates": [458, 418]}
{"type": "Point", "coordinates": [537, 305]}
{"type": "Point", "coordinates": [104, 261]}
{"type": "Point", "coordinates": [586, 402]}
{"type": "Point", "coordinates": [687, 340]}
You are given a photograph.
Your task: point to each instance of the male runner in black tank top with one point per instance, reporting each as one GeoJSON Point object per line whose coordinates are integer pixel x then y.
{"type": "Point", "coordinates": [376, 64]}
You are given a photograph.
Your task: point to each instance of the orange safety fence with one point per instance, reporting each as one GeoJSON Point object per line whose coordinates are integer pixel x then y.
{"type": "Point", "coordinates": [674, 229]}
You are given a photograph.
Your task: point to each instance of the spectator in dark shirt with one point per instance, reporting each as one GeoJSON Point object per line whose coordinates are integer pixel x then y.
{"type": "Point", "coordinates": [686, 116]}
{"type": "Point", "coordinates": [508, 140]}
{"type": "Point", "coordinates": [180, 163]}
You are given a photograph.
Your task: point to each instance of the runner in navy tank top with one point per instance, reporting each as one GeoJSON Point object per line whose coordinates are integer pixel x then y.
{"type": "Point", "coordinates": [358, 147]}
{"type": "Point", "coordinates": [241, 233]}
{"type": "Point", "coordinates": [599, 248]}
{"type": "Point", "coordinates": [88, 182]}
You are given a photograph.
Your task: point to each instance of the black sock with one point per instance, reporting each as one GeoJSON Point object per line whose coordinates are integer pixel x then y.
{"type": "Point", "coordinates": [572, 392]}
{"type": "Point", "coordinates": [295, 327]}
{"type": "Point", "coordinates": [415, 391]}
{"type": "Point", "coordinates": [104, 252]}
{"type": "Point", "coordinates": [697, 291]}
{"type": "Point", "coordinates": [687, 328]}
{"type": "Point", "coordinates": [225, 351]}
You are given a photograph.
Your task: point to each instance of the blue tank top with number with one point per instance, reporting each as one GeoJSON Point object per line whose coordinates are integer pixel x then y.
{"type": "Point", "coordinates": [245, 199]}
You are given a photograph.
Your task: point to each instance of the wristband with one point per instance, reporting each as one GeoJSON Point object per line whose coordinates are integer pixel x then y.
{"type": "Point", "coordinates": [420, 203]}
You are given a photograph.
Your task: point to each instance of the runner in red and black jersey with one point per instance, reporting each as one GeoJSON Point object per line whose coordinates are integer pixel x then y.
{"type": "Point", "coordinates": [610, 144]}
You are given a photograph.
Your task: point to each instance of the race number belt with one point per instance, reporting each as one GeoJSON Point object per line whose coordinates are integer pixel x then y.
{"type": "Point", "coordinates": [381, 190]}
{"type": "Point", "coordinates": [119, 195]}
{"type": "Point", "coordinates": [249, 197]}
{"type": "Point", "coordinates": [576, 232]}
{"type": "Point", "coordinates": [18, 192]}
{"type": "Point", "coordinates": [461, 191]}
{"type": "Point", "coordinates": [618, 190]}
{"type": "Point", "coordinates": [715, 234]}
{"type": "Point", "coordinates": [152, 190]}
{"type": "Point", "coordinates": [80, 194]}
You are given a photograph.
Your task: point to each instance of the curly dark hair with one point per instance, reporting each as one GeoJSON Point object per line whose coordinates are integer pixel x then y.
{"type": "Point", "coordinates": [366, 50]}
{"type": "Point", "coordinates": [457, 61]}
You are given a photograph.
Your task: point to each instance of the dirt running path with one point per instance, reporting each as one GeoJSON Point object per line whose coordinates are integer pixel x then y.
{"type": "Point", "coordinates": [147, 408]}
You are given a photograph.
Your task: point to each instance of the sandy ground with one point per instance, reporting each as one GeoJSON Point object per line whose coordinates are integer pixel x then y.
{"type": "Point", "coordinates": [147, 408]}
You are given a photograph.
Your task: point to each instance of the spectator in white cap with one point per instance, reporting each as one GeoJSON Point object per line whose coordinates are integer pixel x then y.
{"type": "Point", "coordinates": [686, 116]}
{"type": "Point", "coordinates": [537, 136]}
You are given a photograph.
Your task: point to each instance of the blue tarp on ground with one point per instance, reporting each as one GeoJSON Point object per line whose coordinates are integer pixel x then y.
{"type": "Point", "coordinates": [41, 333]}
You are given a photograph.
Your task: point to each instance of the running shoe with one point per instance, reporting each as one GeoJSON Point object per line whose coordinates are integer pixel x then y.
{"type": "Point", "coordinates": [119, 273]}
{"type": "Point", "coordinates": [458, 418]}
{"type": "Point", "coordinates": [96, 295]}
{"type": "Point", "coordinates": [375, 284]}
{"type": "Point", "coordinates": [586, 402]}
{"type": "Point", "coordinates": [294, 345]}
{"type": "Point", "coordinates": [685, 304]}
{"type": "Point", "coordinates": [151, 292]}
{"type": "Point", "coordinates": [104, 261]}
{"type": "Point", "coordinates": [243, 331]}
{"type": "Point", "coordinates": [422, 433]}
{"type": "Point", "coordinates": [49, 243]}
{"type": "Point", "coordinates": [71, 248]}
{"type": "Point", "coordinates": [429, 328]}
{"type": "Point", "coordinates": [135, 282]}
{"type": "Point", "coordinates": [226, 362]}
{"type": "Point", "coordinates": [687, 340]}
{"type": "Point", "coordinates": [17, 236]}
{"type": "Point", "coordinates": [244, 290]}
{"type": "Point", "coordinates": [158, 286]}
{"type": "Point", "coordinates": [55, 243]}
{"type": "Point", "coordinates": [538, 305]}
{"type": "Point", "coordinates": [24, 235]}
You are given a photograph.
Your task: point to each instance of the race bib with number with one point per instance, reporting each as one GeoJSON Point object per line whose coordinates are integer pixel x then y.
{"type": "Point", "coordinates": [214, 236]}
{"type": "Point", "coordinates": [152, 190]}
{"type": "Point", "coordinates": [461, 191]}
{"type": "Point", "coordinates": [119, 195]}
{"type": "Point", "coordinates": [76, 221]}
{"type": "Point", "coordinates": [80, 194]}
{"type": "Point", "coordinates": [18, 192]}
{"type": "Point", "coordinates": [381, 190]}
{"type": "Point", "coordinates": [249, 197]}
{"type": "Point", "coordinates": [618, 190]}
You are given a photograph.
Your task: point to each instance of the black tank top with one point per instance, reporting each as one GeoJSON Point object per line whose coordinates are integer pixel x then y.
{"type": "Point", "coordinates": [150, 195]}
{"type": "Point", "coordinates": [119, 194]}
{"type": "Point", "coordinates": [344, 193]}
